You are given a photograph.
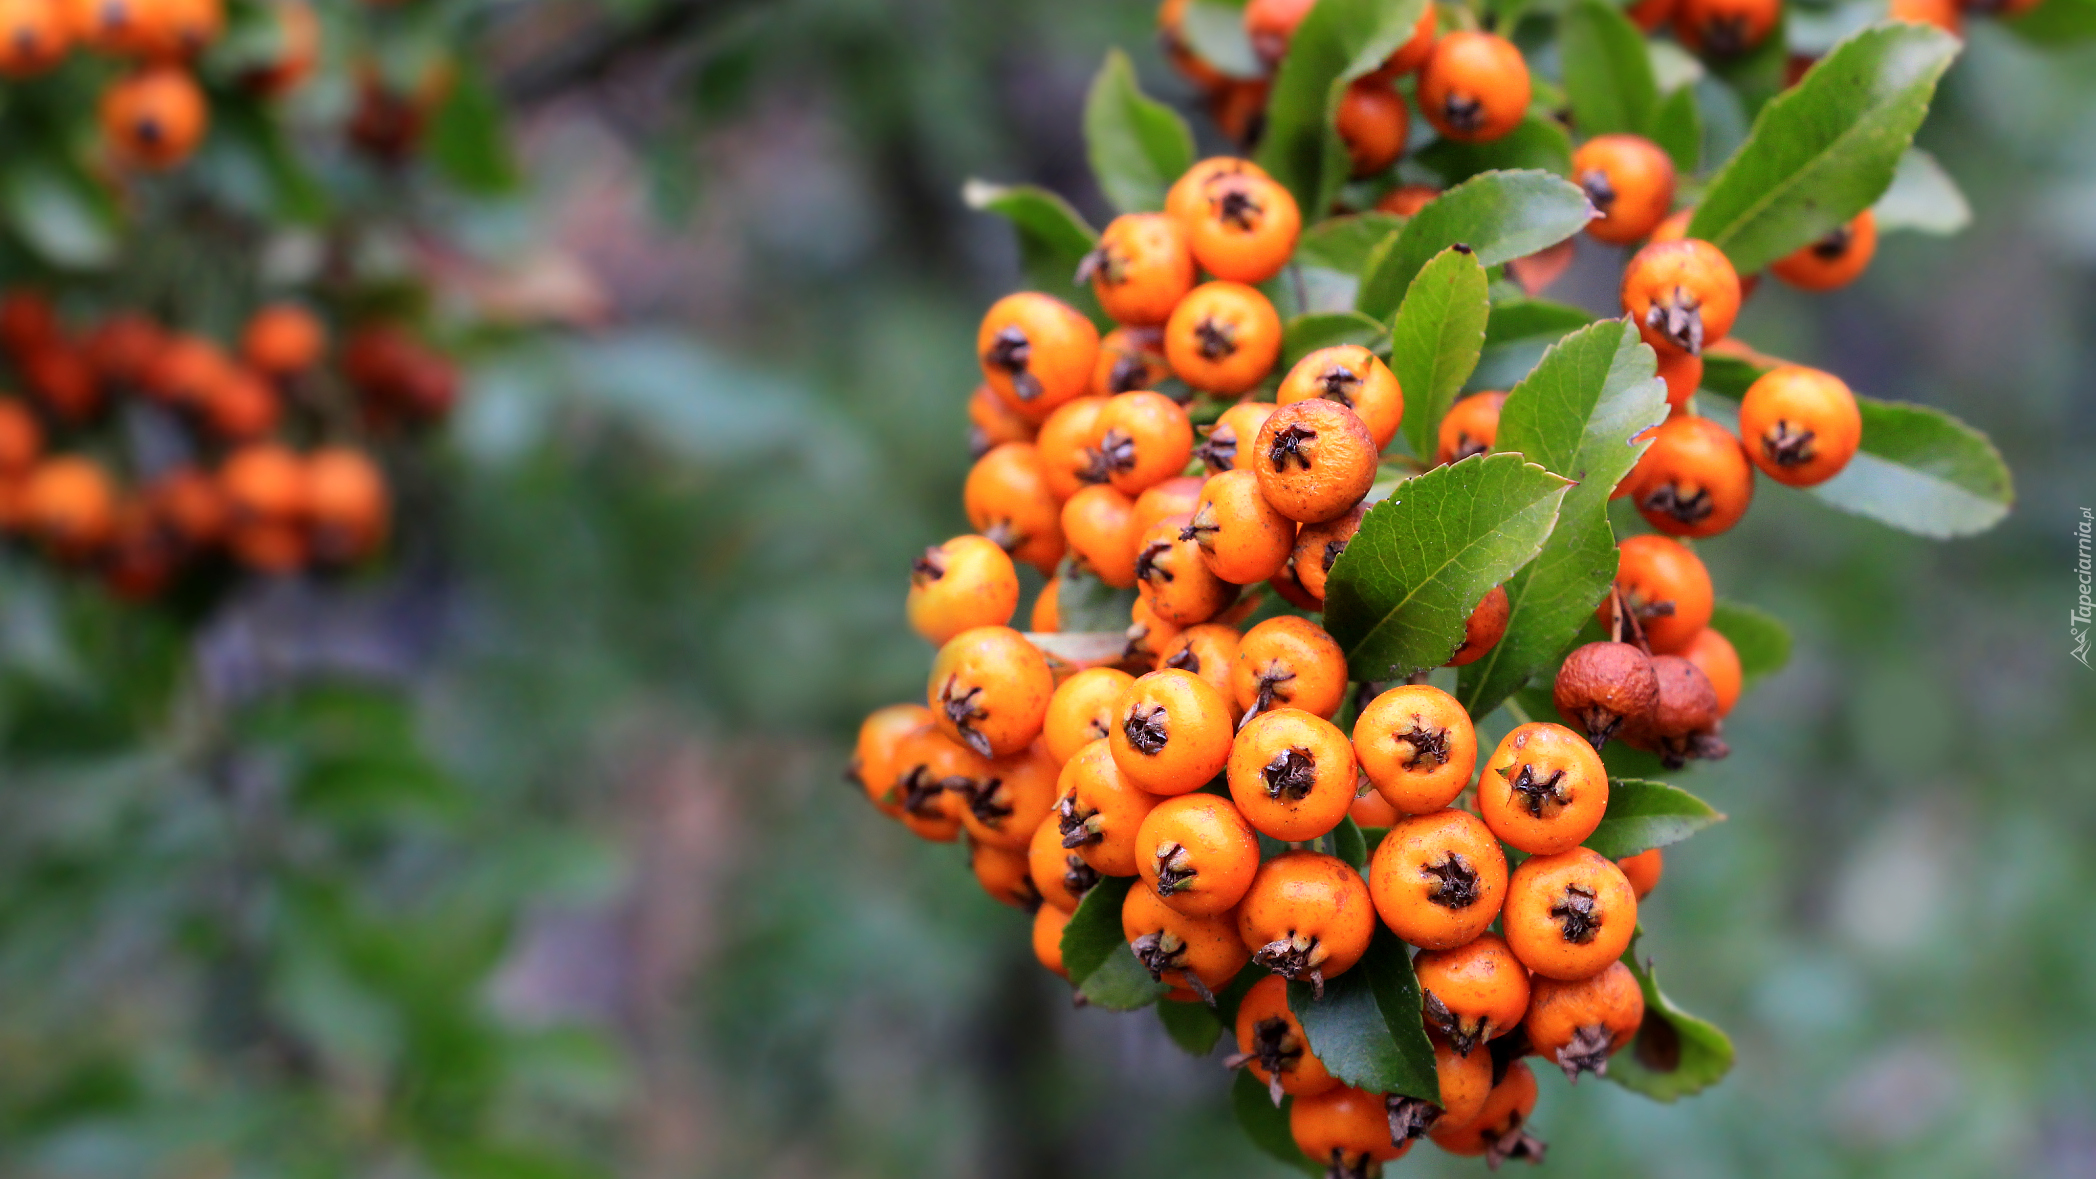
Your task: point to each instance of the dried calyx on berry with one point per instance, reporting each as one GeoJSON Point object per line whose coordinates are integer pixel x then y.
{"type": "Point", "coordinates": [1682, 723]}
{"type": "Point", "coordinates": [1601, 686]}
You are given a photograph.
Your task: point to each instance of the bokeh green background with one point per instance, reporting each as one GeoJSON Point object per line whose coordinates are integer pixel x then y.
{"type": "Point", "coordinates": [650, 931]}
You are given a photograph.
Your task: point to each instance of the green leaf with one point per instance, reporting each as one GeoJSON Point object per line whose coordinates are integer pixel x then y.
{"type": "Point", "coordinates": [1499, 215]}
{"type": "Point", "coordinates": [1923, 198]}
{"type": "Point", "coordinates": [1643, 815]}
{"type": "Point", "coordinates": [1824, 150]}
{"type": "Point", "coordinates": [1053, 239]}
{"type": "Point", "coordinates": [1121, 984]}
{"type": "Point", "coordinates": [1339, 40]}
{"type": "Point", "coordinates": [1325, 329]}
{"type": "Point", "coordinates": [1575, 413]}
{"type": "Point", "coordinates": [1398, 597]}
{"type": "Point", "coordinates": [1193, 1026]}
{"type": "Point", "coordinates": [1533, 319]}
{"type": "Point", "coordinates": [1266, 1124]}
{"type": "Point", "coordinates": [1729, 376]}
{"type": "Point", "coordinates": [1435, 340]}
{"type": "Point", "coordinates": [1085, 604]}
{"type": "Point", "coordinates": [65, 218]}
{"type": "Point", "coordinates": [1608, 74]}
{"type": "Point", "coordinates": [1366, 1029]}
{"type": "Point", "coordinates": [1675, 1054]}
{"type": "Point", "coordinates": [1094, 929]}
{"type": "Point", "coordinates": [1214, 30]}
{"type": "Point", "coordinates": [468, 140]}
{"type": "Point", "coordinates": [1138, 146]}
{"type": "Point", "coordinates": [1535, 142]}
{"type": "Point", "coordinates": [1918, 469]}
{"type": "Point", "coordinates": [1344, 243]}
{"type": "Point", "coordinates": [1349, 844]}
{"type": "Point", "coordinates": [1677, 127]}
{"type": "Point", "coordinates": [2057, 22]}
{"type": "Point", "coordinates": [1760, 638]}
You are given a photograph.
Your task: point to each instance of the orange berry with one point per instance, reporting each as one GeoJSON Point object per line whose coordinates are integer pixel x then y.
{"type": "Point", "coordinates": [347, 505]}
{"type": "Point", "coordinates": [1465, 1083]}
{"type": "Point", "coordinates": [1197, 853]}
{"type": "Point", "coordinates": [69, 505]}
{"type": "Point", "coordinates": [1694, 480]}
{"type": "Point", "coordinates": [1470, 427]}
{"type": "Point", "coordinates": [1174, 579]}
{"type": "Point", "coordinates": [1570, 914]}
{"type": "Point", "coordinates": [1082, 710]}
{"type": "Point", "coordinates": [1148, 634]}
{"type": "Point", "coordinates": [1060, 874]}
{"type": "Point", "coordinates": [21, 439]}
{"type": "Point", "coordinates": [1011, 802]}
{"type": "Point", "coordinates": [1008, 499]}
{"type": "Point", "coordinates": [266, 491]}
{"type": "Point", "coordinates": [1474, 87]}
{"type": "Point", "coordinates": [1476, 992]}
{"type": "Point", "coordinates": [1141, 268]}
{"type": "Point", "coordinates": [989, 690]}
{"type": "Point", "coordinates": [1307, 917]}
{"type": "Point", "coordinates": [1666, 589]}
{"type": "Point", "coordinates": [1067, 444]}
{"type": "Point", "coordinates": [1496, 1132]}
{"type": "Point", "coordinates": [1543, 790]}
{"type": "Point", "coordinates": [1630, 179]}
{"type": "Point", "coordinates": [283, 340]}
{"type": "Point", "coordinates": [1245, 228]}
{"type": "Point", "coordinates": [873, 763]}
{"type": "Point", "coordinates": [1292, 774]}
{"type": "Point", "coordinates": [1345, 1130]}
{"type": "Point", "coordinates": [1318, 548]}
{"type": "Point", "coordinates": [1683, 295]}
{"type": "Point", "coordinates": [1130, 358]}
{"type": "Point", "coordinates": [1407, 199]}
{"type": "Point", "coordinates": [1223, 338]}
{"type": "Point", "coordinates": [1355, 378]}
{"type": "Point", "coordinates": [1415, 52]}
{"type": "Point", "coordinates": [1270, 24]}
{"type": "Point", "coordinates": [1241, 537]}
{"type": "Point", "coordinates": [1002, 874]}
{"type": "Point", "coordinates": [993, 423]}
{"type": "Point", "coordinates": [1834, 260]}
{"type": "Point", "coordinates": [1438, 879]}
{"type": "Point", "coordinates": [934, 775]}
{"type": "Point", "coordinates": [1048, 923]}
{"type": "Point", "coordinates": [34, 36]}
{"type": "Point", "coordinates": [1372, 810]}
{"type": "Point", "coordinates": [1143, 439]}
{"type": "Point", "coordinates": [1292, 662]}
{"type": "Point", "coordinates": [1725, 28]}
{"type": "Point", "coordinates": [1209, 651]}
{"type": "Point", "coordinates": [176, 30]}
{"type": "Point", "coordinates": [1271, 1043]}
{"type": "Point", "coordinates": [959, 585]}
{"type": "Point", "coordinates": [1198, 954]}
{"type": "Point", "coordinates": [1947, 15]}
{"type": "Point", "coordinates": [1683, 374]}
{"type": "Point", "coordinates": [1172, 732]}
{"type": "Point", "coordinates": [1579, 1025]}
{"type": "Point", "coordinates": [1173, 497]}
{"type": "Point", "coordinates": [1799, 425]}
{"type": "Point", "coordinates": [1099, 810]}
{"type": "Point", "coordinates": [1316, 460]}
{"type": "Point", "coordinates": [1417, 746]}
{"type": "Point", "coordinates": [1046, 615]}
{"type": "Point", "coordinates": [1714, 654]}
{"type": "Point", "coordinates": [1237, 426]}
{"type": "Point", "coordinates": [1643, 870]}
{"type": "Point", "coordinates": [1373, 123]}
{"type": "Point", "coordinates": [155, 118]}
{"type": "Point", "coordinates": [1036, 351]}
{"type": "Point", "coordinates": [1099, 527]}
{"type": "Point", "coordinates": [1484, 628]}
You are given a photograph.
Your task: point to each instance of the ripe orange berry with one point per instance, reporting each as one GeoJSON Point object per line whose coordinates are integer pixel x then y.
{"type": "Point", "coordinates": [1036, 351]}
{"type": "Point", "coordinates": [1355, 378]}
{"type": "Point", "coordinates": [934, 775]}
{"type": "Point", "coordinates": [1172, 732]}
{"type": "Point", "coordinates": [1292, 662]}
{"type": "Point", "coordinates": [1007, 499]}
{"type": "Point", "coordinates": [1099, 810]}
{"type": "Point", "coordinates": [1171, 30]}
{"type": "Point", "coordinates": [1799, 425]}
{"type": "Point", "coordinates": [959, 585]}
{"type": "Point", "coordinates": [347, 505]}
{"type": "Point", "coordinates": [1173, 497]}
{"type": "Point", "coordinates": [240, 407]}
{"type": "Point", "coordinates": [1245, 228]}
{"type": "Point", "coordinates": [155, 118]}
{"type": "Point", "coordinates": [1579, 1025]}
{"type": "Point", "coordinates": [1543, 790]}
{"type": "Point", "coordinates": [1048, 923]}
{"type": "Point", "coordinates": [1724, 28]}
{"type": "Point", "coordinates": [1148, 635]}
{"type": "Point", "coordinates": [1270, 24]}
{"type": "Point", "coordinates": [1241, 537]}
{"type": "Point", "coordinates": [1714, 654]}
{"type": "Point", "coordinates": [1140, 269]}
{"type": "Point", "coordinates": [1465, 1082]}
{"type": "Point", "coordinates": [1307, 917]}
{"type": "Point", "coordinates": [1318, 548]}
{"type": "Point", "coordinates": [1236, 428]}
{"type": "Point", "coordinates": [1208, 651]}
{"type": "Point", "coordinates": [1345, 1130]}
{"type": "Point", "coordinates": [1196, 954]}
{"type": "Point", "coordinates": [123, 347]}
{"type": "Point", "coordinates": [1471, 426]}
{"type": "Point", "coordinates": [993, 423]}
{"type": "Point", "coordinates": [1143, 439]}
{"type": "Point", "coordinates": [1694, 480]}
{"type": "Point", "coordinates": [1290, 586]}
{"type": "Point", "coordinates": [34, 36]}
{"type": "Point", "coordinates": [1046, 615]}
{"type": "Point", "coordinates": [1683, 295]}
{"type": "Point", "coordinates": [61, 379]}
{"type": "Point", "coordinates": [192, 506]}
{"type": "Point", "coordinates": [176, 30]}
{"type": "Point", "coordinates": [283, 340]}
{"type": "Point", "coordinates": [1413, 53]}
{"type": "Point", "coordinates": [1082, 709]}
{"type": "Point", "coordinates": [1474, 87]}
{"type": "Point", "coordinates": [1099, 527]}
{"type": "Point", "coordinates": [1484, 628]}
{"type": "Point", "coordinates": [1438, 879]}
{"type": "Point", "coordinates": [1060, 874]}
{"type": "Point", "coordinates": [1172, 577]}
{"type": "Point", "coordinates": [1417, 746]}
{"type": "Point", "coordinates": [989, 690]}
{"type": "Point", "coordinates": [1011, 802]}
{"type": "Point", "coordinates": [1130, 358]}
{"type": "Point", "coordinates": [1407, 199]}
{"type": "Point", "coordinates": [1476, 992]}
{"type": "Point", "coordinates": [1370, 809]}
{"type": "Point", "coordinates": [880, 739]}
{"type": "Point", "coordinates": [1834, 260]}
{"type": "Point", "coordinates": [69, 505]}
{"type": "Point", "coordinates": [1666, 590]}
{"type": "Point", "coordinates": [265, 489]}
{"type": "Point", "coordinates": [21, 439]}
{"type": "Point", "coordinates": [1569, 914]}
{"type": "Point", "coordinates": [1648, 15]}
{"type": "Point", "coordinates": [297, 52]}
{"type": "Point", "coordinates": [1002, 874]}
{"type": "Point", "coordinates": [1373, 123]}
{"type": "Point", "coordinates": [1067, 444]}
{"type": "Point", "coordinates": [1496, 1132]}
{"type": "Point", "coordinates": [1683, 374]}
{"type": "Point", "coordinates": [1223, 338]}
{"type": "Point", "coordinates": [1630, 179]}
{"type": "Point", "coordinates": [1315, 460]}
{"type": "Point", "coordinates": [1197, 853]}
{"type": "Point", "coordinates": [1643, 870]}
{"type": "Point", "coordinates": [1292, 774]}
{"type": "Point", "coordinates": [1188, 195]}
{"type": "Point", "coordinates": [1947, 15]}
{"type": "Point", "coordinates": [1271, 1043]}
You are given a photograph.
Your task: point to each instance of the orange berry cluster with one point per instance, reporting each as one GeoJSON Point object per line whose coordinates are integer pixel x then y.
{"type": "Point", "coordinates": [217, 478]}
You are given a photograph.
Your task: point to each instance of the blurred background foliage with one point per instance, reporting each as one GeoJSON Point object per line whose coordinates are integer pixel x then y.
{"type": "Point", "coordinates": [559, 879]}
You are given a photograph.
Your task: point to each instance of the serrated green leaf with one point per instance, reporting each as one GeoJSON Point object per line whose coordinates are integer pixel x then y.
{"type": "Point", "coordinates": [1760, 638]}
{"type": "Point", "coordinates": [1576, 413]}
{"type": "Point", "coordinates": [1824, 150]}
{"type": "Point", "coordinates": [1677, 127]}
{"type": "Point", "coordinates": [1214, 30]}
{"type": "Point", "coordinates": [1435, 340]}
{"type": "Point", "coordinates": [1608, 74]}
{"type": "Point", "coordinates": [1266, 1123]}
{"type": "Point", "coordinates": [1053, 239]}
{"type": "Point", "coordinates": [1643, 815]}
{"type": "Point", "coordinates": [1923, 198]}
{"type": "Point", "coordinates": [1325, 329]}
{"type": "Point", "coordinates": [1344, 243]}
{"type": "Point", "coordinates": [1193, 1026]}
{"type": "Point", "coordinates": [1674, 1054]}
{"type": "Point", "coordinates": [1083, 603]}
{"type": "Point", "coordinates": [1366, 1028]}
{"type": "Point", "coordinates": [1536, 142]}
{"type": "Point", "coordinates": [1338, 41]}
{"type": "Point", "coordinates": [1518, 320]}
{"type": "Point", "coordinates": [1094, 928]}
{"type": "Point", "coordinates": [1398, 597]}
{"type": "Point", "coordinates": [1138, 146]}
{"type": "Point", "coordinates": [1499, 215]}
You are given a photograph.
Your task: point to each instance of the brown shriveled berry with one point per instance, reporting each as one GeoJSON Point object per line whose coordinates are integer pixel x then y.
{"type": "Point", "coordinates": [1194, 954]}
{"type": "Point", "coordinates": [1417, 746]}
{"type": "Point", "coordinates": [1307, 917]}
{"type": "Point", "coordinates": [1683, 720]}
{"type": "Point", "coordinates": [989, 690]}
{"type": "Point", "coordinates": [1315, 460]}
{"type": "Point", "coordinates": [1484, 628]}
{"type": "Point", "coordinates": [1579, 1025]}
{"type": "Point", "coordinates": [1318, 548]}
{"type": "Point", "coordinates": [1475, 992]}
{"type": "Point", "coordinates": [1292, 774]}
{"type": "Point", "coordinates": [1471, 426]}
{"type": "Point", "coordinates": [1098, 810]}
{"type": "Point", "coordinates": [1601, 685]}
{"type": "Point", "coordinates": [1570, 914]}
{"type": "Point", "coordinates": [1438, 879]}
{"type": "Point", "coordinates": [1197, 853]}
{"type": "Point", "coordinates": [1271, 1044]}
{"type": "Point", "coordinates": [1355, 378]}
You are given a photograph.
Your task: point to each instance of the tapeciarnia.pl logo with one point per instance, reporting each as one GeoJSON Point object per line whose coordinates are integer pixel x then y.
{"type": "Point", "coordinates": [2084, 609]}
